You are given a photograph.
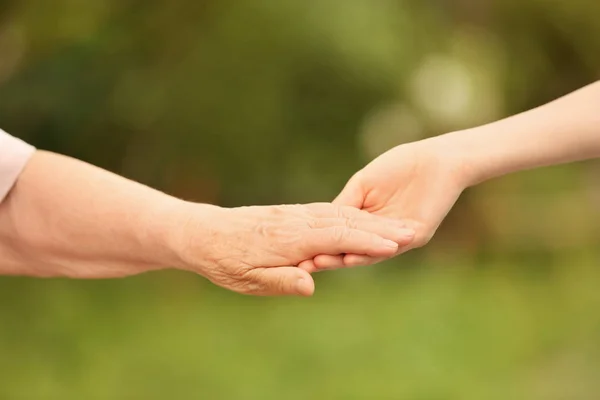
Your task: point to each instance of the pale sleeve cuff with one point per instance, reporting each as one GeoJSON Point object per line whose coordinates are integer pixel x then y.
{"type": "Point", "coordinates": [14, 154]}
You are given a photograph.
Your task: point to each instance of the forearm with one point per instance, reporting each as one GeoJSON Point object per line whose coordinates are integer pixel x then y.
{"type": "Point", "coordinates": [565, 130]}
{"type": "Point", "coordinates": [64, 217]}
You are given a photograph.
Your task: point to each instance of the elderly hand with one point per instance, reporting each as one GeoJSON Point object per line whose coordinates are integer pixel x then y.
{"type": "Point", "coordinates": [67, 218]}
{"type": "Point", "coordinates": [255, 250]}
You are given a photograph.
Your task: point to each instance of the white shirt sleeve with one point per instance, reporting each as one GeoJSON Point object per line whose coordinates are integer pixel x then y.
{"type": "Point", "coordinates": [14, 154]}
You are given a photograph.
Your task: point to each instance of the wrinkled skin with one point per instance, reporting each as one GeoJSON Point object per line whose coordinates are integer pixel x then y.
{"type": "Point", "coordinates": [256, 250]}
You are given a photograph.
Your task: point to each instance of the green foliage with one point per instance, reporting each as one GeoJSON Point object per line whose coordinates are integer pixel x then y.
{"type": "Point", "coordinates": [262, 102]}
{"type": "Point", "coordinates": [432, 333]}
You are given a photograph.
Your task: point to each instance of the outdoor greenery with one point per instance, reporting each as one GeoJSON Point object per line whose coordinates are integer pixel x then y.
{"type": "Point", "coordinates": [239, 102]}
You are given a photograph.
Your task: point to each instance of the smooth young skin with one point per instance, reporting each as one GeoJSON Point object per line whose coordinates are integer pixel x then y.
{"type": "Point", "coordinates": [420, 182]}
{"type": "Point", "coordinates": [66, 218]}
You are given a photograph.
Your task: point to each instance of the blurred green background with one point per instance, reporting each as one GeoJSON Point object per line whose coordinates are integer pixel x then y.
{"type": "Point", "coordinates": [239, 102]}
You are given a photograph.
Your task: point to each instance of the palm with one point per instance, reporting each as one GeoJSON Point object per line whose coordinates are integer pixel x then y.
{"type": "Point", "coordinates": [417, 183]}
{"type": "Point", "coordinates": [410, 182]}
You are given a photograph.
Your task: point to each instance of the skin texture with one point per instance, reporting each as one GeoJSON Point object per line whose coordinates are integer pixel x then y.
{"type": "Point", "coordinates": [258, 250]}
{"type": "Point", "coordinates": [420, 182]}
{"type": "Point", "coordinates": [417, 183]}
{"type": "Point", "coordinates": [66, 218]}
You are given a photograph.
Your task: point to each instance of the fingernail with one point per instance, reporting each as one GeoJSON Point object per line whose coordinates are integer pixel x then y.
{"type": "Point", "coordinates": [390, 244]}
{"type": "Point", "coordinates": [302, 286]}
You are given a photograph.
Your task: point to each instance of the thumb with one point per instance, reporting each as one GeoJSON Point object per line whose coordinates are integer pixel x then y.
{"type": "Point", "coordinates": [282, 281]}
{"type": "Point", "coordinates": [351, 195]}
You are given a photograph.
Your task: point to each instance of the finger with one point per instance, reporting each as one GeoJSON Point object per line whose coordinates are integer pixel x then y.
{"type": "Point", "coordinates": [308, 266]}
{"type": "Point", "coordinates": [357, 260]}
{"type": "Point", "coordinates": [338, 240]}
{"type": "Point", "coordinates": [325, 262]}
{"type": "Point", "coordinates": [386, 228]}
{"type": "Point", "coordinates": [279, 281]}
{"type": "Point", "coordinates": [392, 229]}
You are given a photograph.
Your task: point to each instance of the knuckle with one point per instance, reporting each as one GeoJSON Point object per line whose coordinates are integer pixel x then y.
{"type": "Point", "coordinates": [286, 210]}
{"type": "Point", "coordinates": [312, 223]}
{"type": "Point", "coordinates": [301, 207]}
{"type": "Point", "coordinates": [310, 210]}
{"type": "Point", "coordinates": [339, 234]}
{"type": "Point", "coordinates": [251, 283]}
{"type": "Point", "coordinates": [279, 284]}
{"type": "Point", "coordinates": [271, 233]}
{"type": "Point", "coordinates": [237, 278]}
{"type": "Point", "coordinates": [261, 284]}
{"type": "Point", "coordinates": [278, 211]}
{"type": "Point", "coordinates": [339, 212]}
{"type": "Point", "coordinates": [262, 230]}
{"type": "Point", "coordinates": [350, 223]}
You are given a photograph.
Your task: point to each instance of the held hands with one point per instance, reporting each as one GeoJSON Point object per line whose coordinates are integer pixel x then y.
{"type": "Point", "coordinates": [114, 228]}
{"type": "Point", "coordinates": [255, 250]}
{"type": "Point", "coordinates": [420, 182]}
{"type": "Point", "coordinates": [64, 217]}
{"type": "Point", "coordinates": [394, 204]}
{"type": "Point", "coordinates": [416, 183]}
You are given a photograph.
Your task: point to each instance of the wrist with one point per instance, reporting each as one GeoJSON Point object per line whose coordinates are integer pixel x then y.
{"type": "Point", "coordinates": [187, 234]}
{"type": "Point", "coordinates": [478, 155]}
{"type": "Point", "coordinates": [460, 157]}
